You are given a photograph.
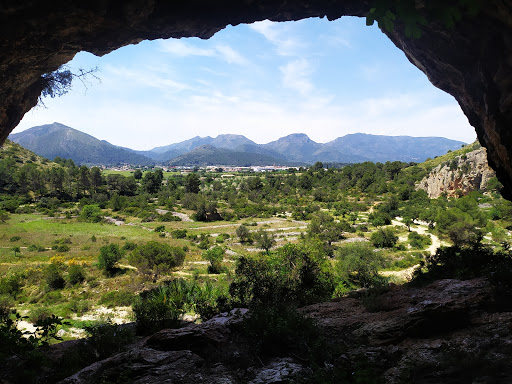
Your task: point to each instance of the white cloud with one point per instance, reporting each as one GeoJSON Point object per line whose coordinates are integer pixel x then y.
{"type": "Point", "coordinates": [280, 35]}
{"type": "Point", "coordinates": [147, 78]}
{"type": "Point", "coordinates": [221, 51]}
{"type": "Point", "coordinates": [296, 76]}
{"type": "Point", "coordinates": [230, 55]}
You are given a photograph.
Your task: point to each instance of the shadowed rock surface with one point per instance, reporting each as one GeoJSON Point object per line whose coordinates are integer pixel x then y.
{"type": "Point", "coordinates": [472, 61]}
{"type": "Point", "coordinates": [450, 331]}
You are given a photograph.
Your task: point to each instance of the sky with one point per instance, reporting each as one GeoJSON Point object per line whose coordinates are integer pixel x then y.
{"type": "Point", "coordinates": [264, 81]}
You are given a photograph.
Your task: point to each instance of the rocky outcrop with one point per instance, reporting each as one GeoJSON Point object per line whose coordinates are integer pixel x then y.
{"type": "Point", "coordinates": [450, 331]}
{"type": "Point", "coordinates": [472, 61]}
{"type": "Point", "coordinates": [459, 176]}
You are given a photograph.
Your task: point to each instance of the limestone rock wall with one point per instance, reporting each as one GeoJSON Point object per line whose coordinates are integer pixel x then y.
{"type": "Point", "coordinates": [464, 174]}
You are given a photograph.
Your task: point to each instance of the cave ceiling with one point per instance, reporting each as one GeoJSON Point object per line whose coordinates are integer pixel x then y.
{"type": "Point", "coordinates": [471, 61]}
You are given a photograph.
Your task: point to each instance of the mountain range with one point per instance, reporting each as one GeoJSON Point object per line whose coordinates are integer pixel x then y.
{"type": "Point", "coordinates": [56, 139]}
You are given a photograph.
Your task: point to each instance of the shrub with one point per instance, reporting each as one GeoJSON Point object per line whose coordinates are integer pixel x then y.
{"type": "Point", "coordinates": [384, 238]}
{"type": "Point", "coordinates": [160, 228]}
{"type": "Point", "coordinates": [76, 274]}
{"type": "Point", "coordinates": [156, 257]}
{"type": "Point", "coordinates": [244, 234]}
{"type": "Point", "coordinates": [129, 246]}
{"type": "Point", "coordinates": [179, 233]}
{"type": "Point", "coordinates": [357, 265]}
{"type": "Point", "coordinates": [293, 273]}
{"type": "Point", "coordinates": [276, 330]}
{"type": "Point", "coordinates": [60, 248]}
{"type": "Point", "coordinates": [162, 307]}
{"type": "Point", "coordinates": [14, 238]}
{"type": "Point", "coordinates": [108, 338]}
{"type": "Point", "coordinates": [109, 255]}
{"type": "Point", "coordinates": [167, 217]}
{"type": "Point", "coordinates": [117, 299]}
{"type": "Point", "coordinates": [11, 285]}
{"type": "Point", "coordinates": [419, 241]}
{"type": "Point", "coordinates": [53, 277]}
{"type": "Point", "coordinates": [78, 306]}
{"type": "Point", "coordinates": [91, 214]}
{"type": "Point", "coordinates": [35, 248]}
{"type": "Point", "coordinates": [214, 256]}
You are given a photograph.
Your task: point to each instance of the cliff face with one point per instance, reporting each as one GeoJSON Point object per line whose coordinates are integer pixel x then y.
{"type": "Point", "coordinates": [472, 61]}
{"type": "Point", "coordinates": [462, 175]}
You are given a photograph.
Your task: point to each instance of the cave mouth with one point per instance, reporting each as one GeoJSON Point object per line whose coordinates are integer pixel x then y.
{"type": "Point", "coordinates": [470, 61]}
{"type": "Point", "coordinates": [263, 80]}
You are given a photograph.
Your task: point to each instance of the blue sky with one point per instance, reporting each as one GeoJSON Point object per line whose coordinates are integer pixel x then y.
{"type": "Point", "coordinates": [264, 81]}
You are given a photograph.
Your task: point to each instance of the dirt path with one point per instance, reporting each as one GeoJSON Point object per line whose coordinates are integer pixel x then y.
{"type": "Point", "coordinates": [422, 229]}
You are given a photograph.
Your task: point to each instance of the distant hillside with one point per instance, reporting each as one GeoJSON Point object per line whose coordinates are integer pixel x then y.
{"type": "Point", "coordinates": [14, 151]}
{"type": "Point", "coordinates": [295, 147]}
{"type": "Point", "coordinates": [209, 155]}
{"type": "Point", "coordinates": [56, 139]}
{"type": "Point", "coordinates": [233, 142]}
{"type": "Point", "coordinates": [379, 148]}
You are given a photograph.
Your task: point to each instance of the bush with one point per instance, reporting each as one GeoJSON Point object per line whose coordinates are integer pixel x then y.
{"type": "Point", "coordinates": [156, 257]}
{"type": "Point", "coordinates": [129, 246]}
{"type": "Point", "coordinates": [109, 255]}
{"type": "Point", "coordinates": [14, 238]}
{"type": "Point", "coordinates": [244, 234]}
{"type": "Point", "coordinates": [357, 265]}
{"type": "Point", "coordinates": [76, 274]}
{"type": "Point", "coordinates": [117, 299]}
{"type": "Point", "coordinates": [419, 241]}
{"type": "Point", "coordinates": [384, 238]}
{"type": "Point", "coordinates": [214, 256]}
{"type": "Point", "coordinates": [35, 248]}
{"type": "Point", "coordinates": [275, 330]}
{"type": "Point", "coordinates": [162, 307]}
{"type": "Point", "coordinates": [60, 248]}
{"type": "Point", "coordinates": [78, 306]}
{"type": "Point", "coordinates": [160, 228]}
{"type": "Point", "coordinates": [53, 277]}
{"type": "Point", "coordinates": [292, 274]}
{"type": "Point", "coordinates": [108, 338]}
{"type": "Point", "coordinates": [179, 233]}
{"type": "Point", "coordinates": [91, 214]}
{"type": "Point", "coordinates": [11, 285]}
{"type": "Point", "coordinates": [167, 217]}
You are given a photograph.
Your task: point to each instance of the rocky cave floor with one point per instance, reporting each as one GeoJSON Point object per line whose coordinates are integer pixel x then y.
{"type": "Point", "coordinates": [450, 331]}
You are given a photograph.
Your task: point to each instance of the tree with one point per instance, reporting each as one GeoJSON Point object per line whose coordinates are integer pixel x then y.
{"type": "Point", "coordinates": [96, 178]}
{"type": "Point", "coordinates": [152, 181]}
{"type": "Point", "coordinates": [109, 255]}
{"type": "Point", "coordinates": [4, 215]}
{"type": "Point", "coordinates": [137, 174]}
{"type": "Point", "coordinates": [156, 257]}
{"type": "Point", "coordinates": [384, 238]}
{"type": "Point", "coordinates": [192, 183]}
{"type": "Point", "coordinates": [244, 234]}
{"type": "Point", "coordinates": [91, 213]}
{"type": "Point", "coordinates": [16, 251]}
{"type": "Point", "coordinates": [358, 265]}
{"type": "Point", "coordinates": [53, 277]}
{"type": "Point", "coordinates": [215, 256]}
{"type": "Point", "coordinates": [265, 240]}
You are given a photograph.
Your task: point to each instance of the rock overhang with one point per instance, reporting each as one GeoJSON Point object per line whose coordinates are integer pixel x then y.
{"type": "Point", "coordinates": [472, 61]}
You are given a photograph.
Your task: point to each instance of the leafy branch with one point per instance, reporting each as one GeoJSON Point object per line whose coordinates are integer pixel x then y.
{"type": "Point", "coordinates": [414, 14]}
{"type": "Point", "coordinates": [59, 82]}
